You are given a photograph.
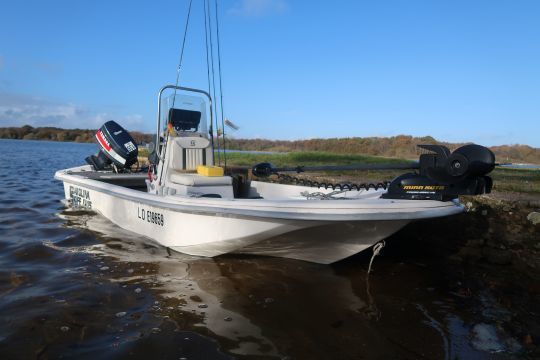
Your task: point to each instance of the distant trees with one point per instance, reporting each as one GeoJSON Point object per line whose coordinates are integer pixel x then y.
{"type": "Point", "coordinates": [28, 132]}
{"type": "Point", "coordinates": [517, 153]}
{"type": "Point", "coordinates": [140, 137]}
{"type": "Point", "coordinates": [401, 146]}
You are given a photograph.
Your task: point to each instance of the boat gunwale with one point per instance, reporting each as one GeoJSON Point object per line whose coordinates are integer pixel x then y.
{"type": "Point", "coordinates": [245, 208]}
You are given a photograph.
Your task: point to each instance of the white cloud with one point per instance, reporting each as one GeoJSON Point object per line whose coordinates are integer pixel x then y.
{"type": "Point", "coordinates": [253, 8]}
{"type": "Point", "coordinates": [19, 110]}
{"type": "Point", "coordinates": [131, 121]}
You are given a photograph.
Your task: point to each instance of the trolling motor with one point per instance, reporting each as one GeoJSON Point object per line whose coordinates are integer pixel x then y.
{"type": "Point", "coordinates": [117, 148]}
{"type": "Point", "coordinates": [441, 175]}
{"type": "Point", "coordinates": [444, 176]}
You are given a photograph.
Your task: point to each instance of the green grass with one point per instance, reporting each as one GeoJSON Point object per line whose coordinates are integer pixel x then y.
{"type": "Point", "coordinates": [304, 158]}
{"type": "Point", "coordinates": [322, 158]}
{"type": "Point", "coordinates": [516, 180]}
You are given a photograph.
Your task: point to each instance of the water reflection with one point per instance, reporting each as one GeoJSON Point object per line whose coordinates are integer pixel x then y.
{"type": "Point", "coordinates": [272, 307]}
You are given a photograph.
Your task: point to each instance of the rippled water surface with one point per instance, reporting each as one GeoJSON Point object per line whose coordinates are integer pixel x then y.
{"type": "Point", "coordinates": [72, 285]}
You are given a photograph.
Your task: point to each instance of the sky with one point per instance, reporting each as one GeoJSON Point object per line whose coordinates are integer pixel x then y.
{"type": "Point", "coordinates": [457, 70]}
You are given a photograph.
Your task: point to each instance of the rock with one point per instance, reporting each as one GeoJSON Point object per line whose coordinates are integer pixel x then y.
{"type": "Point", "coordinates": [470, 253]}
{"type": "Point", "coordinates": [485, 338]}
{"type": "Point", "coordinates": [475, 243]}
{"type": "Point", "coordinates": [497, 256]}
{"type": "Point", "coordinates": [534, 217]}
{"type": "Point", "coordinates": [455, 258]}
{"type": "Point", "coordinates": [513, 346]}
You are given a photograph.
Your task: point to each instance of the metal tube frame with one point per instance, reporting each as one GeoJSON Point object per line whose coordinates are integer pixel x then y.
{"type": "Point", "coordinates": [158, 129]}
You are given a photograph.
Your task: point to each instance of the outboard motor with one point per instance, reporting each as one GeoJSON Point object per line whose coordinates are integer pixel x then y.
{"type": "Point", "coordinates": [445, 176]}
{"type": "Point", "coordinates": [117, 148]}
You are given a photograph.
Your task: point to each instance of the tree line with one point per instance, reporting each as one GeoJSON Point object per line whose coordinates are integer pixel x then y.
{"type": "Point", "coordinates": [401, 146]}
{"type": "Point", "coordinates": [28, 132]}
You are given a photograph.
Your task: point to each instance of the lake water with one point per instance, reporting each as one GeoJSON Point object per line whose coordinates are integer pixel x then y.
{"type": "Point", "coordinates": [521, 166]}
{"type": "Point", "coordinates": [72, 285]}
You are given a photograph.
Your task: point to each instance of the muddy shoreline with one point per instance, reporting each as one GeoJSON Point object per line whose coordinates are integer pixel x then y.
{"type": "Point", "coordinates": [491, 257]}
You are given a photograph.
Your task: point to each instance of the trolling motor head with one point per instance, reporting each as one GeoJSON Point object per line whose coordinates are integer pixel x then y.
{"type": "Point", "coordinates": [263, 170]}
{"type": "Point", "coordinates": [445, 176]}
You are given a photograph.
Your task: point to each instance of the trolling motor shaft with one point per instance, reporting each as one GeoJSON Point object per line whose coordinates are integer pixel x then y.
{"type": "Point", "coordinates": [267, 169]}
{"type": "Point", "coordinates": [441, 175]}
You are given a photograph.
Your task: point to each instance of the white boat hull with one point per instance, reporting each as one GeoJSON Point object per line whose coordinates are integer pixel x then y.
{"type": "Point", "coordinates": [322, 231]}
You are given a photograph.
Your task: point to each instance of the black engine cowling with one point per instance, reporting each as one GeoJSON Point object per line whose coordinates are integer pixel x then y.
{"type": "Point", "coordinates": [445, 176]}
{"type": "Point", "coordinates": [117, 148]}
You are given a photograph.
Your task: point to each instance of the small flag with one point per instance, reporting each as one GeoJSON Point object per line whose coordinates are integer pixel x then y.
{"type": "Point", "coordinates": [231, 124]}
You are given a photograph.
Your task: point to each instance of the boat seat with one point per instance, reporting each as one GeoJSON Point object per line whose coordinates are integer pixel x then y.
{"type": "Point", "coordinates": [189, 152]}
{"type": "Point", "coordinates": [199, 180]}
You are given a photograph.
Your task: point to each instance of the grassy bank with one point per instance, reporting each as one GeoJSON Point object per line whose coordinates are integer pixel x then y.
{"type": "Point", "coordinates": [310, 158]}
{"type": "Point", "coordinates": [516, 180]}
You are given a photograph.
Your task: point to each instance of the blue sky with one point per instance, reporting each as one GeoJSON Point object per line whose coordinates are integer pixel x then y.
{"type": "Point", "coordinates": [456, 70]}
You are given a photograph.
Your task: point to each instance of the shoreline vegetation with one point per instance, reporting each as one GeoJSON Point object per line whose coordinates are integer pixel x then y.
{"type": "Point", "coordinates": [401, 146]}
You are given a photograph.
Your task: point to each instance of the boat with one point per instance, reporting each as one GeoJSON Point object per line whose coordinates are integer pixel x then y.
{"type": "Point", "coordinates": [187, 204]}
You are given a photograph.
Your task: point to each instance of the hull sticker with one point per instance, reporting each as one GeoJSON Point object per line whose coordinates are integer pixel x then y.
{"type": "Point", "coordinates": [79, 197]}
{"type": "Point", "coordinates": [150, 216]}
